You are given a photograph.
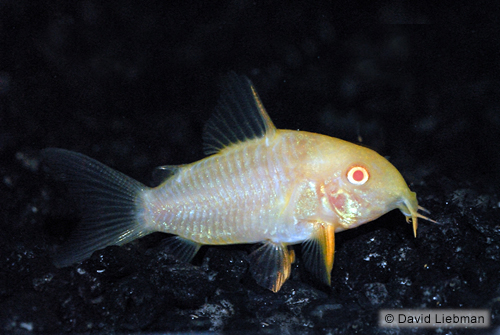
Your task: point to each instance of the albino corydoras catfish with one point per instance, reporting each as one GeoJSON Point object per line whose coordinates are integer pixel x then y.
{"type": "Point", "coordinates": [259, 184]}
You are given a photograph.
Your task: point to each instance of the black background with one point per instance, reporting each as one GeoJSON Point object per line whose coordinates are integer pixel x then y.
{"type": "Point", "coordinates": [132, 83]}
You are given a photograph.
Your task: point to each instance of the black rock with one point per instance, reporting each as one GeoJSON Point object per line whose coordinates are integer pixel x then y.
{"type": "Point", "coordinates": [132, 84]}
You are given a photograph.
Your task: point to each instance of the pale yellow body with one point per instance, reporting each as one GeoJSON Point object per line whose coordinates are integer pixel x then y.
{"type": "Point", "coordinates": [262, 189]}
{"type": "Point", "coordinates": [261, 184]}
{"type": "Point", "coordinates": [243, 194]}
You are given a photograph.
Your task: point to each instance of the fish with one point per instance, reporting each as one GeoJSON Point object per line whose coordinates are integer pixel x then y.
{"type": "Point", "coordinates": [258, 185]}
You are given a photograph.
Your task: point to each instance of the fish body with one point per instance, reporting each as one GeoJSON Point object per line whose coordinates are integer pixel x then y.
{"type": "Point", "coordinates": [259, 185]}
{"type": "Point", "coordinates": [282, 184]}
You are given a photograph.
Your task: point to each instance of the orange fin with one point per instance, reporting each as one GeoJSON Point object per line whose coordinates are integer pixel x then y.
{"type": "Point", "coordinates": [270, 265]}
{"type": "Point", "coordinates": [181, 248]}
{"type": "Point", "coordinates": [318, 252]}
{"type": "Point", "coordinates": [239, 116]}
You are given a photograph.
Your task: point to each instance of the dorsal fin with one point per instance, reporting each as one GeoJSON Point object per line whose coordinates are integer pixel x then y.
{"type": "Point", "coordinates": [239, 116]}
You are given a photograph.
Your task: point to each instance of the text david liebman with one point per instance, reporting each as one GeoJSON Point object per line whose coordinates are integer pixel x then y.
{"type": "Point", "coordinates": [477, 318]}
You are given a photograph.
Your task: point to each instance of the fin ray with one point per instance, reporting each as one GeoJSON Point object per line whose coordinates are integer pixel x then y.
{"type": "Point", "coordinates": [239, 116]}
{"type": "Point", "coordinates": [318, 252]}
{"type": "Point", "coordinates": [270, 265]}
{"type": "Point", "coordinates": [182, 249]}
{"type": "Point", "coordinates": [109, 202]}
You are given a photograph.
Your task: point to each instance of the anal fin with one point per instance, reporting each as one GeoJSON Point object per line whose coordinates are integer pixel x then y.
{"type": "Point", "coordinates": [182, 249]}
{"type": "Point", "coordinates": [318, 252]}
{"type": "Point", "coordinates": [270, 265]}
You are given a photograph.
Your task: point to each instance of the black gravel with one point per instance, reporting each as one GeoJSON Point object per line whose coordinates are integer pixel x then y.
{"type": "Point", "coordinates": [131, 84]}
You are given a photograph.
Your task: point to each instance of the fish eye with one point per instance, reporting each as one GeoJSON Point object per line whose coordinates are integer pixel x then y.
{"type": "Point", "coordinates": [357, 175]}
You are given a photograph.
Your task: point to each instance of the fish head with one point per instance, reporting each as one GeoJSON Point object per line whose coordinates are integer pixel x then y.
{"type": "Point", "coordinates": [365, 186]}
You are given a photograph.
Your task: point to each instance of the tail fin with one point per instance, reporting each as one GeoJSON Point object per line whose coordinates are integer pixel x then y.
{"type": "Point", "coordinates": [110, 203]}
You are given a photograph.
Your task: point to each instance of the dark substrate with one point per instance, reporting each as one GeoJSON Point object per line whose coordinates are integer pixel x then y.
{"type": "Point", "coordinates": [132, 85]}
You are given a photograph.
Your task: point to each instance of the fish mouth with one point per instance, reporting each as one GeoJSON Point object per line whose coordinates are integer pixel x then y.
{"type": "Point", "coordinates": [409, 207]}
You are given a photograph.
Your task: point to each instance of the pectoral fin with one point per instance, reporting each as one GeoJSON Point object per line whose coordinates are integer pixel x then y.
{"type": "Point", "coordinates": [318, 252]}
{"type": "Point", "coordinates": [270, 265]}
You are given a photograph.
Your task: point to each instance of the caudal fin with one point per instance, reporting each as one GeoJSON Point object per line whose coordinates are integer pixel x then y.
{"type": "Point", "coordinates": [110, 204]}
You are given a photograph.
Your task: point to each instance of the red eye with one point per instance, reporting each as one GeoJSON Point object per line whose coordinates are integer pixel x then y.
{"type": "Point", "coordinates": [357, 175]}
